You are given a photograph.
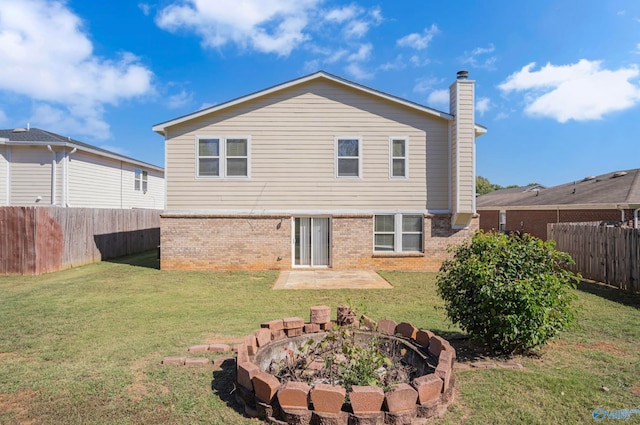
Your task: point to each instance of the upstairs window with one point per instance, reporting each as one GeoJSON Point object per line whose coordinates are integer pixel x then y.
{"type": "Point", "coordinates": [348, 157]}
{"type": "Point", "coordinates": [398, 157]}
{"type": "Point", "coordinates": [140, 180]}
{"type": "Point", "coordinates": [222, 157]}
{"type": "Point", "coordinates": [398, 233]}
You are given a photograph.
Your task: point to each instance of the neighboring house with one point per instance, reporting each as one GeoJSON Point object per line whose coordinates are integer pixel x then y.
{"type": "Point", "coordinates": [38, 167]}
{"type": "Point", "coordinates": [319, 172]}
{"type": "Point", "coordinates": [612, 198]}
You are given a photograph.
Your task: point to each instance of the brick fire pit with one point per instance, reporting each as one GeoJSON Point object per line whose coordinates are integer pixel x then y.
{"type": "Point", "coordinates": [265, 397]}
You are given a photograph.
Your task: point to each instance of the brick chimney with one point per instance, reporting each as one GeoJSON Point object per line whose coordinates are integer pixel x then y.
{"type": "Point", "coordinates": [463, 151]}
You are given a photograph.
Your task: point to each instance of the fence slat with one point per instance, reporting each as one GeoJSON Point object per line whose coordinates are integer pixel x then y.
{"type": "Point", "coordinates": [601, 253]}
{"type": "Point", "coordinates": [43, 239]}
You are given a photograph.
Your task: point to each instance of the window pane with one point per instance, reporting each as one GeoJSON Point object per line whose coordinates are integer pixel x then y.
{"type": "Point", "coordinates": [398, 148]}
{"type": "Point", "coordinates": [236, 147]}
{"type": "Point", "coordinates": [411, 223]}
{"type": "Point", "coordinates": [348, 167]}
{"type": "Point", "coordinates": [209, 167]}
{"type": "Point", "coordinates": [347, 147]}
{"type": "Point", "coordinates": [208, 147]}
{"type": "Point", "coordinates": [398, 168]}
{"type": "Point", "coordinates": [145, 175]}
{"type": "Point", "coordinates": [237, 167]}
{"type": "Point", "coordinates": [145, 185]}
{"type": "Point", "coordinates": [136, 185]}
{"type": "Point", "coordinates": [383, 242]}
{"type": "Point", "coordinates": [412, 242]}
{"type": "Point", "coordinates": [137, 171]}
{"type": "Point", "coordinates": [384, 223]}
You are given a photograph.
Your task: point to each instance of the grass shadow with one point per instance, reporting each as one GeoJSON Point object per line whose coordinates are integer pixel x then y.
{"type": "Point", "coordinates": [147, 259]}
{"type": "Point", "coordinates": [610, 293]}
{"type": "Point", "coordinates": [223, 385]}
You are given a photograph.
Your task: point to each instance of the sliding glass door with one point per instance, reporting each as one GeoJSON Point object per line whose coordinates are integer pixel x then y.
{"type": "Point", "coordinates": [311, 246]}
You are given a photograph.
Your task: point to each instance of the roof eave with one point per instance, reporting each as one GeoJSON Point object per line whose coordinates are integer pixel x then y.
{"type": "Point", "coordinates": [5, 141]}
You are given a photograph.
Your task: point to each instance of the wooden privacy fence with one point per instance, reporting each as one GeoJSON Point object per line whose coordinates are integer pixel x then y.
{"type": "Point", "coordinates": [36, 240]}
{"type": "Point", "coordinates": [603, 253]}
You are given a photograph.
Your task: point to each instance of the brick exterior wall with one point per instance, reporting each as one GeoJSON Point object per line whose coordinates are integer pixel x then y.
{"type": "Point", "coordinates": [191, 242]}
{"type": "Point", "coordinates": [535, 222]}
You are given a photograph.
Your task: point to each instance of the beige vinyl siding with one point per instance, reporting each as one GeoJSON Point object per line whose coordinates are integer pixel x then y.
{"type": "Point", "coordinates": [4, 171]}
{"type": "Point", "coordinates": [453, 102]}
{"type": "Point", "coordinates": [94, 181]}
{"type": "Point", "coordinates": [465, 147]}
{"type": "Point", "coordinates": [292, 154]}
{"type": "Point", "coordinates": [152, 198]}
{"type": "Point", "coordinates": [30, 175]}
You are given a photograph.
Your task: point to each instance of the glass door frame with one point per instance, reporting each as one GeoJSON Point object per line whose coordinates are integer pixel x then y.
{"type": "Point", "coordinates": [312, 245]}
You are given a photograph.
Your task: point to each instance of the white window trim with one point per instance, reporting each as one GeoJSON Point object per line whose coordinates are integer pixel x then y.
{"type": "Point", "coordinates": [406, 157]}
{"type": "Point", "coordinates": [336, 158]}
{"type": "Point", "coordinates": [397, 240]}
{"type": "Point", "coordinates": [222, 155]}
{"type": "Point", "coordinates": [141, 179]}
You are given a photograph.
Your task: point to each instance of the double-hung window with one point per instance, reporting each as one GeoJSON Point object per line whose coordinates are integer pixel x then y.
{"type": "Point", "coordinates": [398, 233]}
{"type": "Point", "coordinates": [222, 157]}
{"type": "Point", "coordinates": [141, 180]}
{"type": "Point", "coordinates": [348, 157]}
{"type": "Point", "coordinates": [398, 157]}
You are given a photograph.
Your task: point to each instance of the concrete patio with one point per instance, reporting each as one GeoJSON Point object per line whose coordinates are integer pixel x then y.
{"type": "Point", "coordinates": [330, 279]}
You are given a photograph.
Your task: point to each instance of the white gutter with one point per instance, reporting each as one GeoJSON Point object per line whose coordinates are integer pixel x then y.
{"type": "Point", "coordinates": [7, 157]}
{"type": "Point", "coordinates": [53, 175]}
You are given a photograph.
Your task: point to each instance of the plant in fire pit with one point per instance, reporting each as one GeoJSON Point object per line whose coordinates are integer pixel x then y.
{"type": "Point", "coordinates": [510, 291]}
{"type": "Point", "coordinates": [338, 360]}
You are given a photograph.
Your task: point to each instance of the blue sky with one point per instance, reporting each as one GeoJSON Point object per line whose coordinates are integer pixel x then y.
{"type": "Point", "coordinates": [557, 82]}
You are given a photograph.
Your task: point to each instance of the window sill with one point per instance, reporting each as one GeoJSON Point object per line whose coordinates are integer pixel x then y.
{"type": "Point", "coordinates": [397, 254]}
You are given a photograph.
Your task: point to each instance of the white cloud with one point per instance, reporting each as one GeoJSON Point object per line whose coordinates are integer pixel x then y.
{"type": "Point", "coordinates": [398, 63]}
{"type": "Point", "coordinates": [483, 104]}
{"type": "Point", "coordinates": [46, 56]}
{"type": "Point", "coordinates": [419, 41]}
{"type": "Point", "coordinates": [480, 57]}
{"type": "Point", "coordinates": [501, 116]}
{"type": "Point", "coordinates": [439, 99]}
{"type": "Point", "coordinates": [3, 118]}
{"type": "Point", "coordinates": [342, 14]}
{"type": "Point", "coordinates": [146, 9]}
{"type": "Point", "coordinates": [275, 26]}
{"type": "Point", "coordinates": [581, 91]}
{"type": "Point", "coordinates": [179, 100]}
{"type": "Point", "coordinates": [424, 85]}
{"type": "Point", "coordinates": [357, 71]}
{"type": "Point", "coordinates": [363, 53]}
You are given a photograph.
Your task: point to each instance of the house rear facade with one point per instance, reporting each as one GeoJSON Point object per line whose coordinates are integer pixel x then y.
{"type": "Point", "coordinates": [319, 172]}
{"type": "Point", "coordinates": [41, 168]}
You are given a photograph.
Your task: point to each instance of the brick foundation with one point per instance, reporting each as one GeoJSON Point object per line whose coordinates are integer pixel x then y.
{"type": "Point", "coordinates": [214, 242]}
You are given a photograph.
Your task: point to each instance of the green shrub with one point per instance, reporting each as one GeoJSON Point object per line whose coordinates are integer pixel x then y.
{"type": "Point", "coordinates": [511, 292]}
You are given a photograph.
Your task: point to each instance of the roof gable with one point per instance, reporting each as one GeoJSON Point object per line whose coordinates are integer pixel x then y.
{"type": "Point", "coordinates": [161, 127]}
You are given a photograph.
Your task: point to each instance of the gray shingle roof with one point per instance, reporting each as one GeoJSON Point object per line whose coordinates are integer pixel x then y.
{"type": "Point", "coordinates": [622, 187]}
{"type": "Point", "coordinates": [36, 136]}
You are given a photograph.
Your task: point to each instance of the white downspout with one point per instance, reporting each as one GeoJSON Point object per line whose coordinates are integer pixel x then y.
{"type": "Point", "coordinates": [53, 175]}
{"type": "Point", "coordinates": [65, 176]}
{"type": "Point", "coordinates": [635, 218]}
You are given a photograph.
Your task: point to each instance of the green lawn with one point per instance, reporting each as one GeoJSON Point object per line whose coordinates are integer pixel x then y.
{"type": "Point", "coordinates": [85, 346]}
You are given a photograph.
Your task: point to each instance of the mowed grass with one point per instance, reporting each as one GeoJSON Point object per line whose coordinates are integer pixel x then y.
{"type": "Point", "coordinates": [85, 346]}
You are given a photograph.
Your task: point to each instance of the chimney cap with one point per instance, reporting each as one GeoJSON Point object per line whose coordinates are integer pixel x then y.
{"type": "Point", "coordinates": [462, 75]}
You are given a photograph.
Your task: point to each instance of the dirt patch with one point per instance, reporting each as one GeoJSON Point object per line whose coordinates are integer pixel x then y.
{"type": "Point", "coordinates": [635, 391]}
{"type": "Point", "coordinates": [140, 388]}
{"type": "Point", "coordinates": [17, 403]}
{"type": "Point", "coordinates": [605, 346]}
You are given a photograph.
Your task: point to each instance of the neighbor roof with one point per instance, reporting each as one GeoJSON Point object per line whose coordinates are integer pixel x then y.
{"type": "Point", "coordinates": [36, 136]}
{"type": "Point", "coordinates": [160, 128]}
{"type": "Point", "coordinates": [611, 190]}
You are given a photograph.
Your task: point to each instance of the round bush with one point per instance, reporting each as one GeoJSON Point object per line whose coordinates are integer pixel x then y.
{"type": "Point", "coordinates": [510, 291]}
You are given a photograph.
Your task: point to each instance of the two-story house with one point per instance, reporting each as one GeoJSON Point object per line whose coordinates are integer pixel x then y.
{"type": "Point", "coordinates": [319, 172]}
